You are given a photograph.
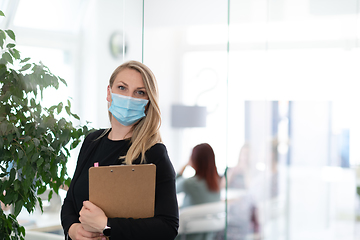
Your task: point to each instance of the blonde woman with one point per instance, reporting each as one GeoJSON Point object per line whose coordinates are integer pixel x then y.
{"type": "Point", "coordinates": [133, 138]}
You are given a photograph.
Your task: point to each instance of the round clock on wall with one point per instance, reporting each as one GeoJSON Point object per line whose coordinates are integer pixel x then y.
{"type": "Point", "coordinates": [117, 44]}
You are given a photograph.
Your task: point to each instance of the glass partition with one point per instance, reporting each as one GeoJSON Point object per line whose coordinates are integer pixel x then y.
{"type": "Point", "coordinates": [279, 106]}
{"type": "Point", "coordinates": [187, 49]}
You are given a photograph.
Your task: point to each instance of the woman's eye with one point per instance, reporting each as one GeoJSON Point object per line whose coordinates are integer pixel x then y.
{"type": "Point", "coordinates": [141, 93]}
{"type": "Point", "coordinates": [121, 87]}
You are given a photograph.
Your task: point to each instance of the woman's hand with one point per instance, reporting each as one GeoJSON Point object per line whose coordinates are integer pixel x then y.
{"type": "Point", "coordinates": [183, 168]}
{"type": "Point", "coordinates": [77, 232]}
{"type": "Point", "coordinates": [92, 218]}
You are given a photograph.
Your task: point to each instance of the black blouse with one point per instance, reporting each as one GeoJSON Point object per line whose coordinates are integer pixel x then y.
{"type": "Point", "coordinates": [165, 222]}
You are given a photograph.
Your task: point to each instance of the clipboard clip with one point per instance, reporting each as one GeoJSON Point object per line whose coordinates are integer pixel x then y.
{"type": "Point", "coordinates": [96, 164]}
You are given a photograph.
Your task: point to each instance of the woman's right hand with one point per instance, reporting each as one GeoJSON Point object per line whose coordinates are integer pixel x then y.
{"type": "Point", "coordinates": [183, 168]}
{"type": "Point", "coordinates": [77, 232]}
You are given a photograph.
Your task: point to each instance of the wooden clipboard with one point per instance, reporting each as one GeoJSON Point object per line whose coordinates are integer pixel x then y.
{"type": "Point", "coordinates": [126, 191]}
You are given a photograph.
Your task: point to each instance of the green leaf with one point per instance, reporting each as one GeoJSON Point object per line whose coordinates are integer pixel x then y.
{"type": "Point", "coordinates": [30, 148]}
{"type": "Point", "coordinates": [40, 204]}
{"type": "Point", "coordinates": [12, 175]}
{"type": "Point", "coordinates": [39, 162]}
{"type": "Point", "coordinates": [22, 230]}
{"type": "Point", "coordinates": [74, 144]}
{"type": "Point", "coordinates": [62, 123]}
{"type": "Point", "coordinates": [52, 108]}
{"type": "Point", "coordinates": [25, 67]}
{"type": "Point", "coordinates": [15, 53]}
{"type": "Point", "coordinates": [67, 108]}
{"type": "Point", "coordinates": [2, 38]}
{"type": "Point", "coordinates": [2, 14]}
{"type": "Point", "coordinates": [11, 34]}
{"type": "Point", "coordinates": [75, 116]}
{"type": "Point", "coordinates": [46, 167]}
{"type": "Point", "coordinates": [59, 107]}
{"type": "Point", "coordinates": [63, 81]}
{"type": "Point", "coordinates": [7, 57]}
{"type": "Point", "coordinates": [27, 138]}
{"type": "Point", "coordinates": [25, 60]}
{"type": "Point", "coordinates": [3, 127]}
{"type": "Point", "coordinates": [22, 161]}
{"type": "Point", "coordinates": [18, 206]}
{"type": "Point", "coordinates": [8, 197]}
{"type": "Point", "coordinates": [16, 185]}
{"type": "Point", "coordinates": [36, 142]}
{"type": "Point", "coordinates": [20, 154]}
{"type": "Point", "coordinates": [50, 194]}
{"type": "Point", "coordinates": [10, 45]}
{"type": "Point", "coordinates": [32, 102]}
{"type": "Point", "coordinates": [3, 71]}
{"type": "Point", "coordinates": [41, 190]}
{"type": "Point", "coordinates": [34, 157]}
{"type": "Point", "coordinates": [67, 182]}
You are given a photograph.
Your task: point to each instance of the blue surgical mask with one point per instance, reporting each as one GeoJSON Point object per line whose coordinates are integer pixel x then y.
{"type": "Point", "coordinates": [127, 110]}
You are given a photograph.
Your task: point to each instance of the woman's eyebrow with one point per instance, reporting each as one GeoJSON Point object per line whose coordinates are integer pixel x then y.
{"type": "Point", "coordinates": [123, 83]}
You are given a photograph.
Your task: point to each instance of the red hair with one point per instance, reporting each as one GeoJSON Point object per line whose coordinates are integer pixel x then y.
{"type": "Point", "coordinates": [203, 161]}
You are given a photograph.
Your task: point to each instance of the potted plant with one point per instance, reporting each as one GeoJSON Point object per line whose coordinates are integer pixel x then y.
{"type": "Point", "coordinates": [35, 142]}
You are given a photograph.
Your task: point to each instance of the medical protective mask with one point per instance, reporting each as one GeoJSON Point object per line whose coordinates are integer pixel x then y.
{"type": "Point", "coordinates": [127, 110]}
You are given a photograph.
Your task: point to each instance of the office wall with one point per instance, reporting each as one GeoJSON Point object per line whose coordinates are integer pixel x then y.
{"type": "Point", "coordinates": [102, 19]}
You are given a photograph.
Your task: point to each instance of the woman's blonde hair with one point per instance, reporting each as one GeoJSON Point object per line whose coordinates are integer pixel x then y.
{"type": "Point", "coordinates": [145, 133]}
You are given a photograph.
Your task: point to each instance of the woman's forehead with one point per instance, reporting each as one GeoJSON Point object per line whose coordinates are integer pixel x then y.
{"type": "Point", "coordinates": [129, 76]}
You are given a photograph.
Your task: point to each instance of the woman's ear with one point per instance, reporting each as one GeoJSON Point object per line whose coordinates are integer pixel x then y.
{"type": "Point", "coordinates": [108, 95]}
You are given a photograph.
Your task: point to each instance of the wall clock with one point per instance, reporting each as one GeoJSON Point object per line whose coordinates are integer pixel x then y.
{"type": "Point", "coordinates": [117, 44]}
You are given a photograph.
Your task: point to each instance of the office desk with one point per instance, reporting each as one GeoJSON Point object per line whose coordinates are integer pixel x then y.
{"type": "Point", "coordinates": [229, 194]}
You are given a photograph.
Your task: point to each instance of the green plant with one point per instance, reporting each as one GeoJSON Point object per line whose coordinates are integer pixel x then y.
{"type": "Point", "coordinates": [35, 142]}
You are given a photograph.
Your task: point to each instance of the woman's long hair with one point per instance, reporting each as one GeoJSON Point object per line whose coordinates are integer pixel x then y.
{"type": "Point", "coordinates": [145, 133]}
{"type": "Point", "coordinates": [203, 161]}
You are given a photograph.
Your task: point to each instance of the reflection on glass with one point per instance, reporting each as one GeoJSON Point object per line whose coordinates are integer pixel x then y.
{"type": "Point", "coordinates": [242, 212]}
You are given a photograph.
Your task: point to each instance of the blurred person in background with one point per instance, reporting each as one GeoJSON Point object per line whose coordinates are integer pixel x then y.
{"type": "Point", "coordinates": [242, 215]}
{"type": "Point", "coordinates": [203, 187]}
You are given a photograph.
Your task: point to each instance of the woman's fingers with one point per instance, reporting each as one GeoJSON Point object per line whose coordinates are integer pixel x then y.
{"type": "Point", "coordinates": [89, 205]}
{"type": "Point", "coordinates": [92, 216]}
{"type": "Point", "coordinates": [90, 235]}
{"type": "Point", "coordinates": [77, 232]}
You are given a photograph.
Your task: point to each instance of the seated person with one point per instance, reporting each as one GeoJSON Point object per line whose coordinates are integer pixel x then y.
{"type": "Point", "coordinates": [204, 186]}
{"type": "Point", "coordinates": [242, 215]}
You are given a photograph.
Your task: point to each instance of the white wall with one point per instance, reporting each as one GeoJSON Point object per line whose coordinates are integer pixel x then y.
{"type": "Point", "coordinates": [102, 19]}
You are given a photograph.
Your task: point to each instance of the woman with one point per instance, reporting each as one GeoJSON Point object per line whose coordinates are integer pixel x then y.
{"type": "Point", "coordinates": [237, 177]}
{"type": "Point", "coordinates": [204, 187]}
{"type": "Point", "coordinates": [242, 212]}
{"type": "Point", "coordinates": [133, 138]}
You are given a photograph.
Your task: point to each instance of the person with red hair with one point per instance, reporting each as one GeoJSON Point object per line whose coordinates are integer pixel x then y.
{"type": "Point", "coordinates": [204, 186]}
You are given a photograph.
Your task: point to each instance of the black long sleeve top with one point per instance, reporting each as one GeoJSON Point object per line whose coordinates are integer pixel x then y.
{"type": "Point", "coordinates": [164, 224]}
